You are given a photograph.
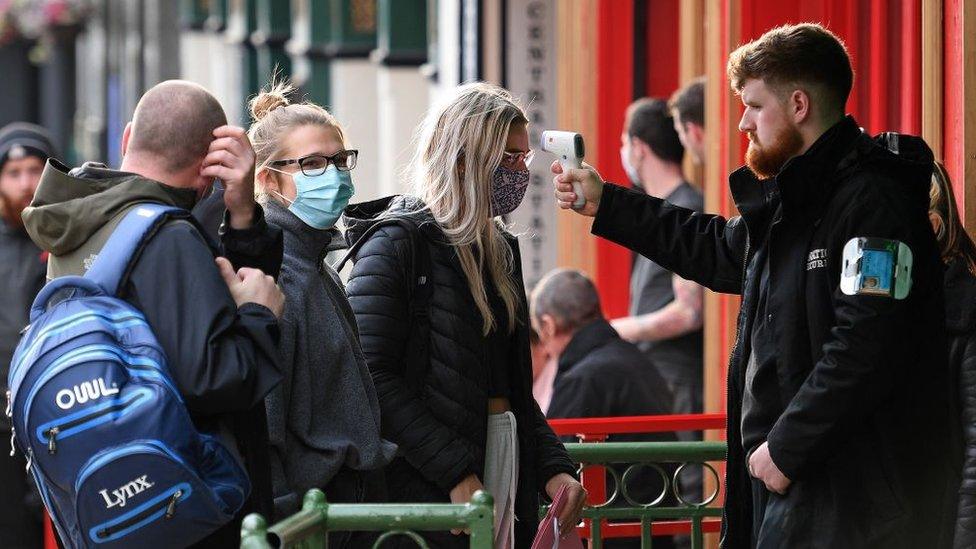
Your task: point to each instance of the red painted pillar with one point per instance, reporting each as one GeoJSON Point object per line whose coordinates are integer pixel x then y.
{"type": "Point", "coordinates": [911, 68]}
{"type": "Point", "coordinates": [615, 58]}
{"type": "Point", "coordinates": [953, 128]}
{"type": "Point", "coordinates": [878, 74]}
{"type": "Point", "coordinates": [663, 43]}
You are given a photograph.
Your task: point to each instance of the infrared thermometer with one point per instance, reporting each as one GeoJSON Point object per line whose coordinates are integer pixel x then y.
{"type": "Point", "coordinates": [568, 147]}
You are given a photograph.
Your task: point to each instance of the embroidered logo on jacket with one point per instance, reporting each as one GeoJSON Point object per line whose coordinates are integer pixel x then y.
{"type": "Point", "coordinates": [817, 259]}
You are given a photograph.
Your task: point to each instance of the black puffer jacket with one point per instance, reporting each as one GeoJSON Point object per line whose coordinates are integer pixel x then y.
{"type": "Point", "coordinates": [960, 293]}
{"type": "Point", "coordinates": [440, 427]}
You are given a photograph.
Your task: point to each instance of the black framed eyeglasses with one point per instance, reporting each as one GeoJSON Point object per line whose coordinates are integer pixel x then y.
{"type": "Point", "coordinates": [316, 164]}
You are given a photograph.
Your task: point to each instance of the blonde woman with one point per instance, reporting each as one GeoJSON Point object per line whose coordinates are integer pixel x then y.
{"type": "Point", "coordinates": [460, 408]}
{"type": "Point", "coordinates": [959, 255]}
{"type": "Point", "coordinates": [323, 419]}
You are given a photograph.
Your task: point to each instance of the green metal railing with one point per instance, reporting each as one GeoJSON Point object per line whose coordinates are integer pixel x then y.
{"type": "Point", "coordinates": [309, 527]}
{"type": "Point", "coordinates": [669, 460]}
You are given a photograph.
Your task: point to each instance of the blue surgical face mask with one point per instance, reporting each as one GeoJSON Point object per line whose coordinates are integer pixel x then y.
{"type": "Point", "coordinates": [320, 199]}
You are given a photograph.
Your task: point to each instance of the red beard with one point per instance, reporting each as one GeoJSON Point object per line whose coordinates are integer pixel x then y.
{"type": "Point", "coordinates": [10, 210]}
{"type": "Point", "coordinates": [767, 160]}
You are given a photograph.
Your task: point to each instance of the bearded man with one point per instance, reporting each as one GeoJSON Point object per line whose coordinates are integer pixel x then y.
{"type": "Point", "coordinates": [841, 431]}
{"type": "Point", "coordinates": [24, 148]}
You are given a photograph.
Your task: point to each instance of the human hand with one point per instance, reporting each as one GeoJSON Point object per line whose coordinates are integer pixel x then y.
{"type": "Point", "coordinates": [761, 466]}
{"type": "Point", "coordinates": [231, 159]}
{"type": "Point", "coordinates": [462, 494]}
{"type": "Point", "coordinates": [252, 286]}
{"type": "Point", "coordinates": [590, 180]}
{"type": "Point", "coordinates": [575, 499]}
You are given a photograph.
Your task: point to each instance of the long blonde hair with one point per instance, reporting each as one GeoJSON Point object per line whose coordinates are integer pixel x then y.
{"type": "Point", "coordinates": [273, 115]}
{"type": "Point", "coordinates": [460, 145]}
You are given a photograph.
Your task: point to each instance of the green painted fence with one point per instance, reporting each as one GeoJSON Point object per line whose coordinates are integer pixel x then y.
{"type": "Point", "coordinates": [308, 528]}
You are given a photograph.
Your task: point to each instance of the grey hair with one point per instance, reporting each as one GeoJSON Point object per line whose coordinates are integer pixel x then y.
{"type": "Point", "coordinates": [567, 295]}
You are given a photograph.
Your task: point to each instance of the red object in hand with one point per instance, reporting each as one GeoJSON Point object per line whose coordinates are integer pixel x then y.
{"type": "Point", "coordinates": [548, 535]}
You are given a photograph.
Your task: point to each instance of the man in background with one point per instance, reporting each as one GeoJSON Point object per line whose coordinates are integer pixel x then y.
{"type": "Point", "coordinates": [665, 319]}
{"type": "Point", "coordinates": [24, 148]}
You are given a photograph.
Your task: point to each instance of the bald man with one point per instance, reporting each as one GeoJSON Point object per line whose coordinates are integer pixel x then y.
{"type": "Point", "coordinates": [217, 326]}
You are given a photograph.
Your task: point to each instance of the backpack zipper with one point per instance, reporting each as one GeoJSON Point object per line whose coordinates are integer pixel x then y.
{"type": "Point", "coordinates": [168, 504]}
{"type": "Point", "coordinates": [9, 414]}
{"type": "Point", "coordinates": [52, 433]}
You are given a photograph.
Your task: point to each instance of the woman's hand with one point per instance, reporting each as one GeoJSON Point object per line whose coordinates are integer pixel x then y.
{"type": "Point", "coordinates": [462, 494]}
{"type": "Point", "coordinates": [575, 499]}
{"type": "Point", "coordinates": [230, 158]}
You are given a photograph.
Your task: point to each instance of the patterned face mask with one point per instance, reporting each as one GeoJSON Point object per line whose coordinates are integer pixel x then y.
{"type": "Point", "coordinates": [508, 188]}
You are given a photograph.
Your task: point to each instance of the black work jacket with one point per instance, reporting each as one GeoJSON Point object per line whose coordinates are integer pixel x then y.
{"type": "Point", "coordinates": [866, 435]}
{"type": "Point", "coordinates": [437, 412]}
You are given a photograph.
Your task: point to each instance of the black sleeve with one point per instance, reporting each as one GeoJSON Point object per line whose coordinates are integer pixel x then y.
{"type": "Point", "coordinates": [378, 294]}
{"type": "Point", "coordinates": [223, 358]}
{"type": "Point", "coordinates": [870, 337]}
{"type": "Point", "coordinates": [707, 249]}
{"type": "Point", "coordinates": [966, 521]}
{"type": "Point", "coordinates": [259, 246]}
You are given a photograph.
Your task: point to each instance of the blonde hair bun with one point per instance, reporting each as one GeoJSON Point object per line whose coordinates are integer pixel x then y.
{"type": "Point", "coordinates": [269, 100]}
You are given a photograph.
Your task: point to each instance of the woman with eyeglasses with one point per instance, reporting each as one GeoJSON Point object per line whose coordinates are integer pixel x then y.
{"type": "Point", "coordinates": [324, 419]}
{"type": "Point", "coordinates": [454, 372]}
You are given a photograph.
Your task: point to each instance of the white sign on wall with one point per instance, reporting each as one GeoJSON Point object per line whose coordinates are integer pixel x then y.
{"type": "Point", "coordinates": [530, 61]}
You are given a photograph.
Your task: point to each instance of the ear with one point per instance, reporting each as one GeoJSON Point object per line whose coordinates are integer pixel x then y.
{"type": "Point", "coordinates": [548, 327]}
{"type": "Point", "coordinates": [126, 134]}
{"type": "Point", "coordinates": [267, 180]}
{"type": "Point", "coordinates": [639, 148]}
{"type": "Point", "coordinates": [799, 106]}
{"type": "Point", "coordinates": [696, 132]}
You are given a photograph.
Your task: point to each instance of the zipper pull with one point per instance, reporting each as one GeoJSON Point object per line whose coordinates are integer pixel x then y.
{"type": "Point", "coordinates": [13, 450]}
{"type": "Point", "coordinates": [10, 406]}
{"type": "Point", "coordinates": [171, 508]}
{"type": "Point", "coordinates": [30, 460]}
{"type": "Point", "coordinates": [52, 434]}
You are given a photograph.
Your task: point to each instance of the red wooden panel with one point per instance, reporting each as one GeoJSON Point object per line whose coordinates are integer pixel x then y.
{"type": "Point", "coordinates": [911, 68]}
{"type": "Point", "coordinates": [953, 108]}
{"type": "Point", "coordinates": [663, 43]}
{"type": "Point", "coordinates": [615, 57]}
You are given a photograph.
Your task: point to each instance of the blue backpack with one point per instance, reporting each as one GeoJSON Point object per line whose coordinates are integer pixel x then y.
{"type": "Point", "coordinates": [106, 433]}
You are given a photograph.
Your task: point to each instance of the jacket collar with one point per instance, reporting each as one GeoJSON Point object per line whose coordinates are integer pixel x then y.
{"type": "Point", "coordinates": [312, 244]}
{"type": "Point", "coordinates": [804, 184]}
{"type": "Point", "coordinates": [595, 334]}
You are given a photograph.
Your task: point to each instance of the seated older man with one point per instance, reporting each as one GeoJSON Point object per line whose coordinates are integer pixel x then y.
{"type": "Point", "coordinates": [599, 374]}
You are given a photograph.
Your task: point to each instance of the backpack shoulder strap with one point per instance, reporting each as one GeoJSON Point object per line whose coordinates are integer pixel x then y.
{"type": "Point", "coordinates": [116, 257]}
{"type": "Point", "coordinates": [419, 271]}
{"type": "Point", "coordinates": [419, 293]}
